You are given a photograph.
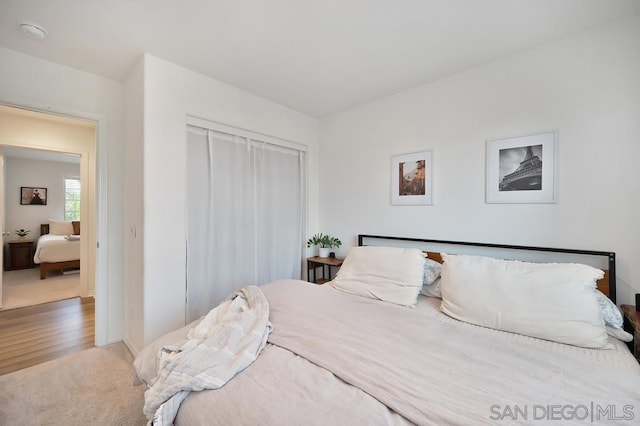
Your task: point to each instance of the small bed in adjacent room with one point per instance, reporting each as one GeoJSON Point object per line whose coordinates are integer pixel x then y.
{"type": "Point", "coordinates": [397, 339]}
{"type": "Point", "coordinates": [58, 248]}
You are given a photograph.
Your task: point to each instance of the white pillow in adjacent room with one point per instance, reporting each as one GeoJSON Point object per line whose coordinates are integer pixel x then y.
{"type": "Point", "coordinates": [391, 274]}
{"type": "Point", "coordinates": [549, 301]}
{"type": "Point", "coordinates": [59, 227]}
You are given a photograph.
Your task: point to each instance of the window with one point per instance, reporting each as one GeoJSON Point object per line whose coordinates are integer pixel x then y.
{"type": "Point", "coordinates": [71, 199]}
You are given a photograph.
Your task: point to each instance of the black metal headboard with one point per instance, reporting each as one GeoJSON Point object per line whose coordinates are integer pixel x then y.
{"type": "Point", "coordinates": [611, 256]}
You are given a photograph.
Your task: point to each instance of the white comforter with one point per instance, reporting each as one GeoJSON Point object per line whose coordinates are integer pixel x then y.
{"type": "Point", "coordinates": [56, 248]}
{"type": "Point", "coordinates": [224, 343]}
{"type": "Point", "coordinates": [336, 358]}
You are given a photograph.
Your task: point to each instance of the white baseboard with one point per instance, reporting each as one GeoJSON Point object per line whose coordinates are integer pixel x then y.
{"type": "Point", "coordinates": [132, 348]}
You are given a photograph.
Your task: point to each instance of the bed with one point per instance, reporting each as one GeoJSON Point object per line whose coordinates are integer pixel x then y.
{"type": "Point", "coordinates": [58, 251]}
{"type": "Point", "coordinates": [335, 357]}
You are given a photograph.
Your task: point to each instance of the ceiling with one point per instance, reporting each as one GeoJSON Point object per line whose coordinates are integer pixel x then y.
{"type": "Point", "coordinates": [317, 57]}
{"type": "Point", "coordinates": [35, 154]}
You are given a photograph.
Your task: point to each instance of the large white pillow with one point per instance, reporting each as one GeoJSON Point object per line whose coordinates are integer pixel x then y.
{"type": "Point", "coordinates": [386, 273]}
{"type": "Point", "coordinates": [550, 301]}
{"type": "Point", "coordinates": [58, 227]}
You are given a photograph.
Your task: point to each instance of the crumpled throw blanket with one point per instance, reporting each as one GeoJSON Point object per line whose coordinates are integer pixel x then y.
{"type": "Point", "coordinates": [225, 342]}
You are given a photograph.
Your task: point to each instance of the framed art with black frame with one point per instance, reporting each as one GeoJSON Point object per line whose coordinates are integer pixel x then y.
{"type": "Point", "coordinates": [35, 196]}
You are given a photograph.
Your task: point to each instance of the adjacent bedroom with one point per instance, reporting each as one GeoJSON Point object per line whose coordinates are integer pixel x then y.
{"type": "Point", "coordinates": [41, 245]}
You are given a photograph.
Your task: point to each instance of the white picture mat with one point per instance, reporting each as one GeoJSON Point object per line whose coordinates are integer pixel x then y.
{"type": "Point", "coordinates": [548, 193]}
{"type": "Point", "coordinates": [412, 200]}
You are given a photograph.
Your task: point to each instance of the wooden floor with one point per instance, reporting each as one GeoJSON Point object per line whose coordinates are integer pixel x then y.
{"type": "Point", "coordinates": [35, 334]}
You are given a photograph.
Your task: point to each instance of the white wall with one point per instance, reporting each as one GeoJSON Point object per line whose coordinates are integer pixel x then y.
{"type": "Point", "coordinates": [171, 93]}
{"type": "Point", "coordinates": [36, 83]}
{"type": "Point", "coordinates": [37, 173]}
{"type": "Point", "coordinates": [587, 87]}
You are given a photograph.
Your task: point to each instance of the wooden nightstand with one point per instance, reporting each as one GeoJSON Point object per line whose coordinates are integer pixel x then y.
{"type": "Point", "coordinates": [632, 325]}
{"type": "Point", "coordinates": [321, 262]}
{"type": "Point", "coordinates": [20, 255]}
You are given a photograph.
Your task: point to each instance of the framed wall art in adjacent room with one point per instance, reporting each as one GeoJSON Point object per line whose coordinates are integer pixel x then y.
{"type": "Point", "coordinates": [412, 179]}
{"type": "Point", "coordinates": [30, 195]}
{"type": "Point", "coordinates": [522, 169]}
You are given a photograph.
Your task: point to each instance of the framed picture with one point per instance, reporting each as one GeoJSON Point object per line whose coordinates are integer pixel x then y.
{"type": "Point", "coordinates": [33, 196]}
{"type": "Point", "coordinates": [412, 179]}
{"type": "Point", "coordinates": [522, 169]}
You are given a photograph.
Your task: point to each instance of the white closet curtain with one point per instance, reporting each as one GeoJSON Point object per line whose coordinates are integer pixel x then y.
{"type": "Point", "coordinates": [245, 215]}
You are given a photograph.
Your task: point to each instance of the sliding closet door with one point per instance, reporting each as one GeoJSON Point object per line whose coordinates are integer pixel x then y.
{"type": "Point", "coordinates": [245, 216]}
{"type": "Point", "coordinates": [279, 200]}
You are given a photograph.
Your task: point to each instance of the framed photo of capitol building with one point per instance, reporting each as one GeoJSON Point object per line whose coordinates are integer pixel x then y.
{"type": "Point", "coordinates": [522, 169]}
{"type": "Point", "coordinates": [412, 179]}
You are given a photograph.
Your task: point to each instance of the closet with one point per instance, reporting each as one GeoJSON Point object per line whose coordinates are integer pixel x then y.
{"type": "Point", "coordinates": [245, 213]}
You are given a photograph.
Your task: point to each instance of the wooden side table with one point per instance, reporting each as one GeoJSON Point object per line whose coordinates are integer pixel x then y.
{"type": "Point", "coordinates": [325, 263]}
{"type": "Point", "coordinates": [632, 325]}
{"type": "Point", "coordinates": [20, 255]}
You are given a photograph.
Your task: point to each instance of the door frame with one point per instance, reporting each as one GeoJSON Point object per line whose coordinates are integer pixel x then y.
{"type": "Point", "coordinates": [2, 218]}
{"type": "Point", "coordinates": [99, 166]}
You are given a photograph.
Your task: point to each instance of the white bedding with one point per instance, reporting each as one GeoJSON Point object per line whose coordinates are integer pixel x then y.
{"type": "Point", "coordinates": [55, 248]}
{"type": "Point", "coordinates": [224, 343]}
{"type": "Point", "coordinates": [337, 358]}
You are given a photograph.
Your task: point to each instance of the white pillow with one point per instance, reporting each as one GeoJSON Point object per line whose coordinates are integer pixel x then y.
{"type": "Point", "coordinates": [610, 313]}
{"type": "Point", "coordinates": [431, 279]}
{"type": "Point", "coordinates": [546, 300]}
{"type": "Point", "coordinates": [432, 290]}
{"type": "Point", "coordinates": [619, 334]}
{"type": "Point", "coordinates": [612, 318]}
{"type": "Point", "coordinates": [432, 270]}
{"type": "Point", "coordinates": [386, 273]}
{"type": "Point", "coordinates": [58, 227]}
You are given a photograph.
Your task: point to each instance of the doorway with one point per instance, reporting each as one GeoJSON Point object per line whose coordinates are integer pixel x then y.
{"type": "Point", "coordinates": [50, 135]}
{"type": "Point", "coordinates": [54, 178]}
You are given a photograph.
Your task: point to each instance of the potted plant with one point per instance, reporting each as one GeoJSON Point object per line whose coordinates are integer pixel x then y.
{"type": "Point", "coordinates": [324, 242]}
{"type": "Point", "coordinates": [21, 233]}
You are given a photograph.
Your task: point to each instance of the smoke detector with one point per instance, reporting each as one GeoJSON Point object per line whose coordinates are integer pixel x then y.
{"type": "Point", "coordinates": [34, 31]}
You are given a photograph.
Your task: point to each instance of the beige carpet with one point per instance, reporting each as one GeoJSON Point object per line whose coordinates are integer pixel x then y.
{"type": "Point", "coordinates": [92, 387]}
{"type": "Point", "coordinates": [24, 287]}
